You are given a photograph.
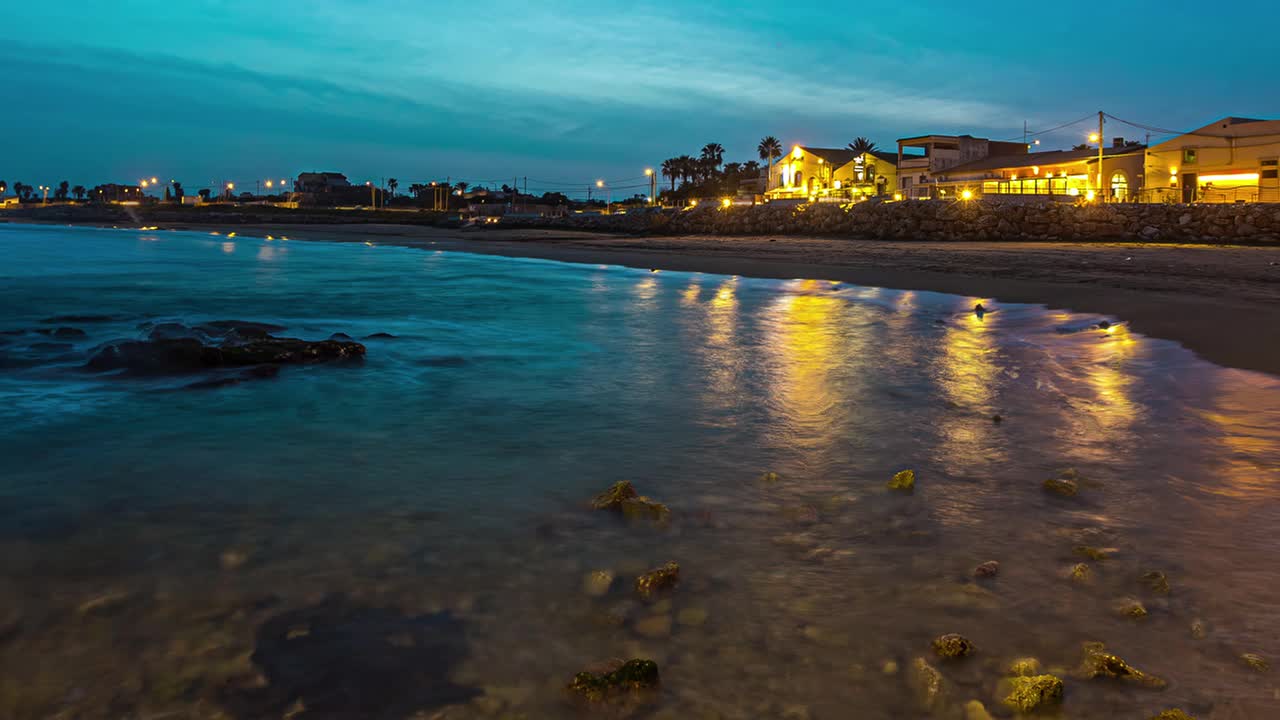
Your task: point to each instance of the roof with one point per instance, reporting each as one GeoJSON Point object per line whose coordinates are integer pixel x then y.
{"type": "Point", "coordinates": [1049, 157]}
{"type": "Point", "coordinates": [844, 156]}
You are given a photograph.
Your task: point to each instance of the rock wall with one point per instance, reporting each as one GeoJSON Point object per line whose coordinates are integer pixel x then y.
{"type": "Point", "coordinates": [959, 220]}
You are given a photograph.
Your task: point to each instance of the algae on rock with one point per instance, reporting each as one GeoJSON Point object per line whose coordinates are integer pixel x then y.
{"type": "Point", "coordinates": [657, 580]}
{"type": "Point", "coordinates": [1098, 663]}
{"type": "Point", "coordinates": [904, 481]}
{"type": "Point", "coordinates": [1026, 694]}
{"type": "Point", "coordinates": [952, 645]}
{"type": "Point", "coordinates": [620, 684]}
{"type": "Point", "coordinates": [927, 683]}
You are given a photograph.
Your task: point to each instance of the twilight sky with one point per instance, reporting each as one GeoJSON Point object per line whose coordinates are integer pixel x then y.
{"type": "Point", "coordinates": [564, 92]}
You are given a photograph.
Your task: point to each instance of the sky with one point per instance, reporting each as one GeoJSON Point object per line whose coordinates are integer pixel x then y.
{"type": "Point", "coordinates": [566, 92]}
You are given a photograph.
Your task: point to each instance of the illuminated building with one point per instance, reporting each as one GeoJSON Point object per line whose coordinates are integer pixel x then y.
{"type": "Point", "coordinates": [1058, 173]}
{"type": "Point", "coordinates": [836, 174]}
{"type": "Point", "coordinates": [917, 171]}
{"type": "Point", "coordinates": [1231, 160]}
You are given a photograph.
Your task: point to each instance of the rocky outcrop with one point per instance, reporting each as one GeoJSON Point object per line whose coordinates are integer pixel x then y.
{"type": "Point", "coordinates": [176, 348]}
{"type": "Point", "coordinates": [1026, 694]}
{"type": "Point", "coordinates": [622, 684]}
{"type": "Point", "coordinates": [952, 645]}
{"type": "Point", "coordinates": [658, 580]}
{"type": "Point", "coordinates": [988, 219]}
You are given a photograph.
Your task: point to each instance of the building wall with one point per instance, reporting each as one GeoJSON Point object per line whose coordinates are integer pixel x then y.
{"type": "Point", "coordinates": [1243, 168]}
{"type": "Point", "coordinates": [802, 174]}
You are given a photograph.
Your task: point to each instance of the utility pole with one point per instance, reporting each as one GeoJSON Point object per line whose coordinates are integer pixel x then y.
{"type": "Point", "coordinates": [515, 190]}
{"type": "Point", "coordinates": [1102, 191]}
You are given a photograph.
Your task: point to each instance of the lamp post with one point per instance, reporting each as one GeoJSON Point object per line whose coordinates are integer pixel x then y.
{"type": "Point", "coordinates": [653, 185]}
{"type": "Point", "coordinates": [608, 195]}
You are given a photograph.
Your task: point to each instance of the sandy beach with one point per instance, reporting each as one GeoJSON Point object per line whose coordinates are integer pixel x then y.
{"type": "Point", "coordinates": [1223, 302]}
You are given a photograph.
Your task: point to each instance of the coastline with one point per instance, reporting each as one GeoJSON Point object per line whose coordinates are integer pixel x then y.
{"type": "Point", "coordinates": [1221, 302]}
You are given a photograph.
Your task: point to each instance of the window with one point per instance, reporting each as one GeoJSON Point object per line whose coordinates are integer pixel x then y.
{"type": "Point", "coordinates": [1188, 156]}
{"type": "Point", "coordinates": [1120, 186]}
{"type": "Point", "coordinates": [1271, 174]}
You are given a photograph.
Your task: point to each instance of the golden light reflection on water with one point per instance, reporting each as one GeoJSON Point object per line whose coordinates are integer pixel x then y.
{"type": "Point", "coordinates": [1111, 375]}
{"type": "Point", "coordinates": [228, 247]}
{"type": "Point", "coordinates": [716, 347]}
{"type": "Point", "coordinates": [968, 373]}
{"type": "Point", "coordinates": [1243, 419]}
{"type": "Point", "coordinates": [689, 296]}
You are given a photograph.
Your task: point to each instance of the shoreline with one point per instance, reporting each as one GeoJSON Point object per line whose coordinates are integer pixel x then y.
{"type": "Point", "coordinates": [1217, 301]}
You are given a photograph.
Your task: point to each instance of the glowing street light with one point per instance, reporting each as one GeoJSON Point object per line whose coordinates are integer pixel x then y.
{"type": "Point", "coordinates": [1094, 137]}
{"type": "Point", "coordinates": [608, 195]}
{"type": "Point", "coordinates": [966, 194]}
{"type": "Point", "coordinates": [653, 185]}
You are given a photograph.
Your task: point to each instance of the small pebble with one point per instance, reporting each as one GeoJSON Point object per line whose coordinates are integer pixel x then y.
{"type": "Point", "coordinates": [987, 569]}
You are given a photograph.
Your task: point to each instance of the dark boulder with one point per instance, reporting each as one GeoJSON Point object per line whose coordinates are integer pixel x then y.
{"type": "Point", "coordinates": [178, 355]}
{"type": "Point", "coordinates": [622, 685]}
{"type": "Point", "coordinates": [380, 336]}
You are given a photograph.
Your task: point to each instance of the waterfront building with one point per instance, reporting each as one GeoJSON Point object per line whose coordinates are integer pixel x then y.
{"type": "Point", "coordinates": [1230, 160]}
{"type": "Point", "coordinates": [1062, 174]}
{"type": "Point", "coordinates": [930, 155]}
{"type": "Point", "coordinates": [832, 174]}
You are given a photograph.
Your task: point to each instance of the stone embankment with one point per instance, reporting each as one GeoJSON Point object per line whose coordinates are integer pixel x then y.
{"type": "Point", "coordinates": [957, 220]}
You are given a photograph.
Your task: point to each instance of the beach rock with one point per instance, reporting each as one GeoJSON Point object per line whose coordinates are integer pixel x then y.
{"type": "Point", "coordinates": [1131, 607]}
{"type": "Point", "coordinates": [952, 645]}
{"type": "Point", "coordinates": [1156, 581]}
{"type": "Point", "coordinates": [1027, 694]}
{"type": "Point", "coordinates": [341, 336]}
{"type": "Point", "coordinates": [643, 509]}
{"type": "Point", "coordinates": [658, 580]}
{"type": "Point", "coordinates": [626, 685]}
{"type": "Point", "coordinates": [1255, 661]}
{"type": "Point", "coordinates": [1065, 487]}
{"type": "Point", "coordinates": [380, 336]}
{"type": "Point", "coordinates": [612, 498]}
{"type": "Point", "coordinates": [654, 627]}
{"type": "Point", "coordinates": [904, 481]}
{"type": "Point", "coordinates": [927, 684]}
{"type": "Point", "coordinates": [987, 569]}
{"type": "Point", "coordinates": [1199, 630]}
{"type": "Point", "coordinates": [179, 355]}
{"type": "Point", "coordinates": [1098, 663]}
{"type": "Point", "coordinates": [1024, 667]}
{"type": "Point", "coordinates": [337, 659]}
{"type": "Point", "coordinates": [597, 583]}
{"type": "Point", "coordinates": [975, 710]}
{"type": "Point", "coordinates": [1171, 714]}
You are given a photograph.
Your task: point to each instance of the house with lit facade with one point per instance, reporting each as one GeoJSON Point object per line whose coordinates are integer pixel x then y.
{"type": "Point", "coordinates": [832, 174]}
{"type": "Point", "coordinates": [922, 159]}
{"type": "Point", "coordinates": [1231, 160]}
{"type": "Point", "coordinates": [1056, 174]}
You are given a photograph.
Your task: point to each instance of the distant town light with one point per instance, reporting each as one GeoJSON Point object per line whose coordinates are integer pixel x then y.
{"type": "Point", "coordinates": [231, 186]}
{"type": "Point", "coordinates": [1090, 196]}
{"type": "Point", "coordinates": [797, 153]}
{"type": "Point", "coordinates": [726, 202]}
{"type": "Point", "coordinates": [1073, 192]}
{"type": "Point", "coordinates": [897, 196]}
{"type": "Point", "coordinates": [1173, 171]}
{"type": "Point", "coordinates": [1035, 169]}
{"type": "Point", "coordinates": [153, 181]}
{"type": "Point", "coordinates": [1037, 142]}
{"type": "Point", "coordinates": [967, 194]}
{"type": "Point", "coordinates": [599, 183]}
{"type": "Point", "coordinates": [648, 171]}
{"type": "Point", "coordinates": [1093, 137]}
{"type": "Point", "coordinates": [838, 184]}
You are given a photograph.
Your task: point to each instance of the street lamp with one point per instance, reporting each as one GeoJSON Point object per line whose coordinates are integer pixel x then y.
{"type": "Point", "coordinates": [608, 195]}
{"type": "Point", "coordinates": [653, 185]}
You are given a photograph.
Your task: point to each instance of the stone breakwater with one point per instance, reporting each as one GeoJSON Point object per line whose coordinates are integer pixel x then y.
{"type": "Point", "coordinates": [957, 220]}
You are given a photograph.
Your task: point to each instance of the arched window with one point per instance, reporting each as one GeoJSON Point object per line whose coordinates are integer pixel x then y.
{"type": "Point", "coordinates": [1120, 186]}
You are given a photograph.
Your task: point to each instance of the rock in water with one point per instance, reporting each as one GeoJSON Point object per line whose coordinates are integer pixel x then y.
{"type": "Point", "coordinates": [597, 583]}
{"type": "Point", "coordinates": [904, 481]}
{"type": "Point", "coordinates": [612, 498]}
{"type": "Point", "coordinates": [975, 710]}
{"type": "Point", "coordinates": [927, 683]}
{"type": "Point", "coordinates": [952, 645]}
{"type": "Point", "coordinates": [1065, 487]}
{"type": "Point", "coordinates": [987, 569]}
{"type": "Point", "coordinates": [1024, 667]}
{"type": "Point", "coordinates": [1156, 581]}
{"type": "Point", "coordinates": [627, 684]}
{"type": "Point", "coordinates": [337, 659]}
{"type": "Point", "coordinates": [1255, 661]}
{"type": "Point", "coordinates": [1131, 607]}
{"type": "Point", "coordinates": [1027, 694]}
{"type": "Point", "coordinates": [770, 477]}
{"type": "Point", "coordinates": [1098, 663]}
{"type": "Point", "coordinates": [186, 354]}
{"type": "Point", "coordinates": [658, 580]}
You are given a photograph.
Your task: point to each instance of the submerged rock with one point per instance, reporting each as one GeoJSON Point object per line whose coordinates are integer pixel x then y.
{"type": "Point", "coordinates": [904, 481]}
{"type": "Point", "coordinates": [1199, 630]}
{"type": "Point", "coordinates": [1131, 607]}
{"type": "Point", "coordinates": [952, 645]}
{"type": "Point", "coordinates": [625, 684]}
{"type": "Point", "coordinates": [987, 569]}
{"type": "Point", "coordinates": [337, 659]}
{"type": "Point", "coordinates": [927, 683]}
{"type": "Point", "coordinates": [1098, 663]}
{"type": "Point", "coordinates": [975, 710]}
{"type": "Point", "coordinates": [1255, 661]}
{"type": "Point", "coordinates": [1171, 714]}
{"type": "Point", "coordinates": [1026, 694]}
{"type": "Point", "coordinates": [623, 498]}
{"type": "Point", "coordinates": [658, 580]}
{"type": "Point", "coordinates": [597, 583]}
{"type": "Point", "coordinates": [1156, 581]}
{"type": "Point", "coordinates": [1024, 667]}
{"type": "Point", "coordinates": [1065, 487]}
{"type": "Point", "coordinates": [770, 477]}
{"type": "Point", "coordinates": [1081, 572]}
{"type": "Point", "coordinates": [177, 355]}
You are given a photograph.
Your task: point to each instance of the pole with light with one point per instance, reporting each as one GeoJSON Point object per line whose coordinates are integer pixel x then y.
{"type": "Point", "coordinates": [608, 195]}
{"type": "Point", "coordinates": [653, 185]}
{"type": "Point", "coordinates": [1102, 192]}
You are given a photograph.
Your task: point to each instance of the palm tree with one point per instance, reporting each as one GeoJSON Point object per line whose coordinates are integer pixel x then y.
{"type": "Point", "coordinates": [751, 167]}
{"type": "Point", "coordinates": [688, 168]}
{"type": "Point", "coordinates": [79, 192]}
{"type": "Point", "coordinates": [671, 168]}
{"type": "Point", "coordinates": [392, 184]}
{"type": "Point", "coordinates": [862, 145]}
{"type": "Point", "coordinates": [462, 186]}
{"type": "Point", "coordinates": [713, 154]}
{"type": "Point", "coordinates": [64, 187]}
{"type": "Point", "coordinates": [770, 149]}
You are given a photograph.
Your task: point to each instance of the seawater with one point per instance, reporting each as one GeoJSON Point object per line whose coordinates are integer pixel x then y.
{"type": "Point", "coordinates": [148, 533]}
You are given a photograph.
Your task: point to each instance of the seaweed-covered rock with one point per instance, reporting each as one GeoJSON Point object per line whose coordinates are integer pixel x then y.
{"type": "Point", "coordinates": [1098, 663]}
{"type": "Point", "coordinates": [1065, 487]}
{"type": "Point", "coordinates": [1024, 667]}
{"type": "Point", "coordinates": [188, 354]}
{"type": "Point", "coordinates": [1131, 607]}
{"type": "Point", "coordinates": [626, 683]}
{"type": "Point", "coordinates": [1081, 572]}
{"type": "Point", "coordinates": [642, 509]}
{"type": "Point", "coordinates": [658, 580]}
{"type": "Point", "coordinates": [952, 645]}
{"type": "Point", "coordinates": [1171, 714]}
{"type": "Point", "coordinates": [927, 683]}
{"type": "Point", "coordinates": [1026, 694]}
{"type": "Point", "coordinates": [904, 481]}
{"type": "Point", "coordinates": [987, 569]}
{"type": "Point", "coordinates": [1255, 661]}
{"type": "Point", "coordinates": [612, 498]}
{"type": "Point", "coordinates": [1156, 581]}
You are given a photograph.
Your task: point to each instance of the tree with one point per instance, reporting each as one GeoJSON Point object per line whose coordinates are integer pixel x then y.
{"type": "Point", "coordinates": [462, 186]}
{"type": "Point", "coordinates": [770, 149]}
{"type": "Point", "coordinates": [713, 155]}
{"type": "Point", "coordinates": [671, 168]}
{"type": "Point", "coordinates": [688, 168]}
{"type": "Point", "coordinates": [416, 190]}
{"type": "Point", "coordinates": [64, 188]}
{"type": "Point", "coordinates": [23, 191]}
{"type": "Point", "coordinates": [1081, 146]}
{"type": "Point", "coordinates": [862, 145]}
{"type": "Point", "coordinates": [732, 168]}
{"type": "Point", "coordinates": [79, 192]}
{"type": "Point", "coordinates": [751, 167]}
{"type": "Point", "coordinates": [178, 192]}
{"type": "Point", "coordinates": [204, 194]}
{"type": "Point", "coordinates": [392, 184]}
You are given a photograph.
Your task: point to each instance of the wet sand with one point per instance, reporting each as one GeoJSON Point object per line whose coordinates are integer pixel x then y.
{"type": "Point", "coordinates": [1222, 302]}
